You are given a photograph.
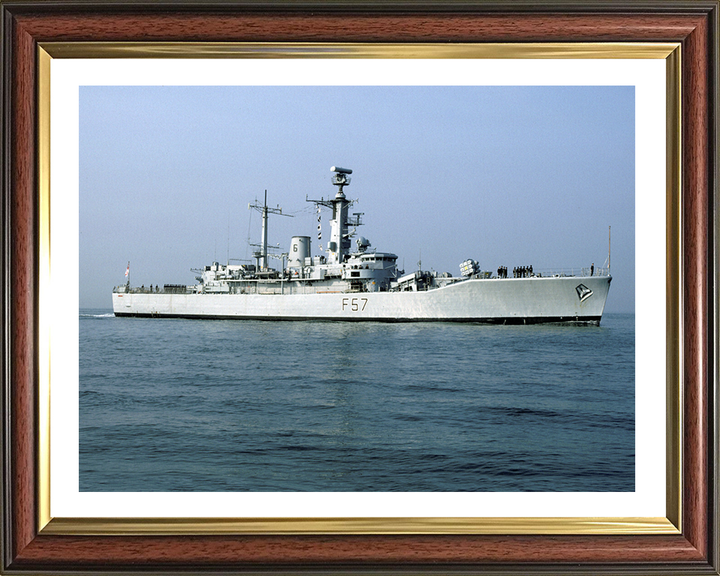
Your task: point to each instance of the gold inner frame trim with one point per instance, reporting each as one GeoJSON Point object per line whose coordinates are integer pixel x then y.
{"type": "Point", "coordinates": [269, 526]}
{"type": "Point", "coordinates": [533, 525]}
{"type": "Point", "coordinates": [673, 311]}
{"type": "Point", "coordinates": [44, 323]}
{"type": "Point", "coordinates": [565, 50]}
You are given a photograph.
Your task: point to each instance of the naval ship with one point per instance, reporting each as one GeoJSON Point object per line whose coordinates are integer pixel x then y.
{"type": "Point", "coordinates": [361, 284]}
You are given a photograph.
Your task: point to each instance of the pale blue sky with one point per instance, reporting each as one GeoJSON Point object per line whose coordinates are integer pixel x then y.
{"type": "Point", "coordinates": [505, 175]}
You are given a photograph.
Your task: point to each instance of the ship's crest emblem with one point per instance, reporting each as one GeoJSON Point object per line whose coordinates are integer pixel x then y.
{"type": "Point", "coordinates": [583, 292]}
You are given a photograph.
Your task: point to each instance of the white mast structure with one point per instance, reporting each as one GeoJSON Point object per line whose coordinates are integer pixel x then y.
{"type": "Point", "coordinates": [339, 244]}
{"type": "Point", "coordinates": [264, 210]}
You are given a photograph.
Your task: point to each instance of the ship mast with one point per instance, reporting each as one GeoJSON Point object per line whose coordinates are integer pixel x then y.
{"type": "Point", "coordinates": [339, 245]}
{"type": "Point", "coordinates": [264, 210]}
{"type": "Point", "coordinates": [339, 242]}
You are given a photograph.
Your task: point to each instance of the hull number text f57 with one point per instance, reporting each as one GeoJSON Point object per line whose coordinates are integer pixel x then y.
{"type": "Point", "coordinates": [354, 304]}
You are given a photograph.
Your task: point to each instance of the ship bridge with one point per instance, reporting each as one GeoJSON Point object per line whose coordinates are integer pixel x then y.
{"type": "Point", "coordinates": [378, 257]}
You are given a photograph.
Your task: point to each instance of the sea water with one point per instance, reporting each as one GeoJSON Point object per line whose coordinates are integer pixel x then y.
{"type": "Point", "coordinates": [229, 405]}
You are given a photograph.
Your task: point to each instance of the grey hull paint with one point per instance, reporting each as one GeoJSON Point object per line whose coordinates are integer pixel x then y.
{"type": "Point", "coordinates": [494, 301]}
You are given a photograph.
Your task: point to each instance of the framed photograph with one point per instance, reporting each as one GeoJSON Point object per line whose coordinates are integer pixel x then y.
{"type": "Point", "coordinates": [134, 136]}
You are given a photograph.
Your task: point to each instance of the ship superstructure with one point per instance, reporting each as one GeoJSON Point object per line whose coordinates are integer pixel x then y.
{"type": "Point", "coordinates": [357, 283]}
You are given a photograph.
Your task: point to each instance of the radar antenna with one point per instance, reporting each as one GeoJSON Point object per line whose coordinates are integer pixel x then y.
{"type": "Point", "coordinates": [341, 177]}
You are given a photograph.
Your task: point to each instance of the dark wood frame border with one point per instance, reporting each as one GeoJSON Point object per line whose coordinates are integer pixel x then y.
{"type": "Point", "coordinates": [692, 23]}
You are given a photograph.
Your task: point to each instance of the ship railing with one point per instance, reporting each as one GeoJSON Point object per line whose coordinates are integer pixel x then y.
{"type": "Point", "coordinates": [167, 289]}
{"type": "Point", "coordinates": [565, 272]}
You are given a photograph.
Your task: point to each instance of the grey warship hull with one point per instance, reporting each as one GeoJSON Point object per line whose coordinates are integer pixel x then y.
{"type": "Point", "coordinates": [574, 299]}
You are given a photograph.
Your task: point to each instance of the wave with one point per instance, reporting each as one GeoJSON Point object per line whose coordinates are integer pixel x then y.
{"type": "Point", "coordinates": [108, 315]}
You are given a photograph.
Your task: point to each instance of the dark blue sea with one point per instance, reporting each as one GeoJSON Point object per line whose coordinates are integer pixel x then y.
{"type": "Point", "coordinates": [223, 405]}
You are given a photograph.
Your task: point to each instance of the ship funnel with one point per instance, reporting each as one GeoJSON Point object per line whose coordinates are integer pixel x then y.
{"type": "Point", "coordinates": [299, 250]}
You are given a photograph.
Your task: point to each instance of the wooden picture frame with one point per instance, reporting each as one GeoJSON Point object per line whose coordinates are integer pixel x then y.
{"type": "Point", "coordinates": [29, 548]}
